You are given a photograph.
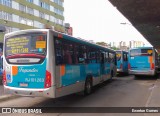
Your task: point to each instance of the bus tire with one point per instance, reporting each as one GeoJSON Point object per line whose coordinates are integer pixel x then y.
{"type": "Point", "coordinates": [136, 77]}
{"type": "Point", "coordinates": [88, 86]}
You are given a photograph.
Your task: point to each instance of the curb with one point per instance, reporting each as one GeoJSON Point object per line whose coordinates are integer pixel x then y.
{"type": "Point", "coordinates": [7, 97]}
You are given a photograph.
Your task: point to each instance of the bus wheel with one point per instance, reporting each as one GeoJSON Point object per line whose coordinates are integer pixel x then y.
{"type": "Point", "coordinates": [136, 77]}
{"type": "Point", "coordinates": [88, 86]}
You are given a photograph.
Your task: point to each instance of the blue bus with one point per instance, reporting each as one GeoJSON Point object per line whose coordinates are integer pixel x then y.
{"type": "Point", "coordinates": [122, 61]}
{"type": "Point", "coordinates": [42, 62]}
{"type": "Point", "coordinates": [143, 61]}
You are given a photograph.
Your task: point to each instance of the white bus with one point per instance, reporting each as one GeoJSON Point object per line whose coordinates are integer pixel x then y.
{"type": "Point", "coordinates": [42, 62]}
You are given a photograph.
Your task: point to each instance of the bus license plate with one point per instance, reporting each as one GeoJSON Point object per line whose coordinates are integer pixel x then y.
{"type": "Point", "coordinates": [23, 84]}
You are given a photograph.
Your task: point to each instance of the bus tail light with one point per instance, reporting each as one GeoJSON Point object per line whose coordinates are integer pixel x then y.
{"type": "Point", "coordinates": [129, 66]}
{"type": "Point", "coordinates": [48, 80]}
{"type": "Point", "coordinates": [152, 66]}
{"type": "Point", "coordinates": [4, 78]}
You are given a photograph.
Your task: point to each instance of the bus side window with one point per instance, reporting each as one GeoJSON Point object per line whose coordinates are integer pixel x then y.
{"type": "Point", "coordinates": [115, 59]}
{"type": "Point", "coordinates": [91, 55]}
{"type": "Point", "coordinates": [58, 52]}
{"type": "Point", "coordinates": [102, 57]}
{"type": "Point", "coordinates": [98, 57]}
{"type": "Point", "coordinates": [106, 57]}
{"type": "Point", "coordinates": [67, 48]}
{"type": "Point", "coordinates": [82, 56]}
{"type": "Point", "coordinates": [110, 57]}
{"type": "Point", "coordinates": [63, 52]}
{"type": "Point", "coordinates": [125, 57]}
{"type": "Point", "coordinates": [75, 54]}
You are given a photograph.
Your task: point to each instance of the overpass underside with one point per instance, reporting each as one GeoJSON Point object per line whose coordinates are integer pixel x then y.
{"type": "Point", "coordinates": [144, 16]}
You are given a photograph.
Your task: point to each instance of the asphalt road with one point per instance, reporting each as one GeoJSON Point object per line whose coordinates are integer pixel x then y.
{"type": "Point", "coordinates": [1, 90]}
{"type": "Point", "coordinates": [123, 91]}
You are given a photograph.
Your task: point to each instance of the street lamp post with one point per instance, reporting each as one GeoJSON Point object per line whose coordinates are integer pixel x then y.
{"type": "Point", "coordinates": [125, 23]}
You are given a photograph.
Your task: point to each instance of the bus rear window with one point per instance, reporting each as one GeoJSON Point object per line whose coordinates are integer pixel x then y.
{"type": "Point", "coordinates": [26, 44]}
{"type": "Point", "coordinates": [141, 52]}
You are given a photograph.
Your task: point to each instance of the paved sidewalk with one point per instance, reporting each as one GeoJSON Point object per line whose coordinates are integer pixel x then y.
{"type": "Point", "coordinates": [1, 90]}
{"type": "Point", "coordinates": [1, 80]}
{"type": "Point", "coordinates": [154, 100]}
{"type": "Point", "coordinates": [4, 97]}
{"type": "Point", "coordinates": [1, 87]}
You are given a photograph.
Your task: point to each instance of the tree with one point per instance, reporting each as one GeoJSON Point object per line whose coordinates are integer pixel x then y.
{"type": "Point", "coordinates": [115, 48]}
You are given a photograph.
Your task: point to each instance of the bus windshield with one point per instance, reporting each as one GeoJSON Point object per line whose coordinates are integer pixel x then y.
{"type": "Point", "coordinates": [118, 56]}
{"type": "Point", "coordinates": [26, 44]}
{"type": "Point", "coordinates": [141, 52]}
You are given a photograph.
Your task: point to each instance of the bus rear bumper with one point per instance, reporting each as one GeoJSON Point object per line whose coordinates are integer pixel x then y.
{"type": "Point", "coordinates": [136, 72]}
{"type": "Point", "coordinates": [46, 92]}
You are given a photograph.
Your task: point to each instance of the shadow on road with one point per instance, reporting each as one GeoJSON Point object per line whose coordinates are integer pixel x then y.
{"type": "Point", "coordinates": [122, 75]}
{"type": "Point", "coordinates": [72, 99]}
{"type": "Point", "coordinates": [140, 77]}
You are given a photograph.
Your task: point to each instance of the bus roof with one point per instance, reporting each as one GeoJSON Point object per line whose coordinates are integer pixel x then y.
{"type": "Point", "coordinates": [23, 31]}
{"type": "Point", "coordinates": [83, 41]}
{"type": "Point", "coordinates": [65, 36]}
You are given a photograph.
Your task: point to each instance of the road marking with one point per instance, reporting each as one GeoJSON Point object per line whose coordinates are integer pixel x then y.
{"type": "Point", "coordinates": [152, 87]}
{"type": "Point", "coordinates": [150, 96]}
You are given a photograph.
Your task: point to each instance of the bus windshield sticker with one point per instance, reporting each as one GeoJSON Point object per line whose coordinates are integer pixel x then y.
{"type": "Point", "coordinates": [149, 51]}
{"type": "Point", "coordinates": [24, 44]}
{"type": "Point", "coordinates": [40, 44]}
{"type": "Point", "coordinates": [118, 55]}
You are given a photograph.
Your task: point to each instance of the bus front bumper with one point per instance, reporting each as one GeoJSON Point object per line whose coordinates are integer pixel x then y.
{"type": "Point", "coordinates": [147, 72]}
{"type": "Point", "coordinates": [46, 92]}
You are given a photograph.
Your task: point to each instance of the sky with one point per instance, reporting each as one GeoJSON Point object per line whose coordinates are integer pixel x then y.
{"type": "Point", "coordinates": [98, 20]}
